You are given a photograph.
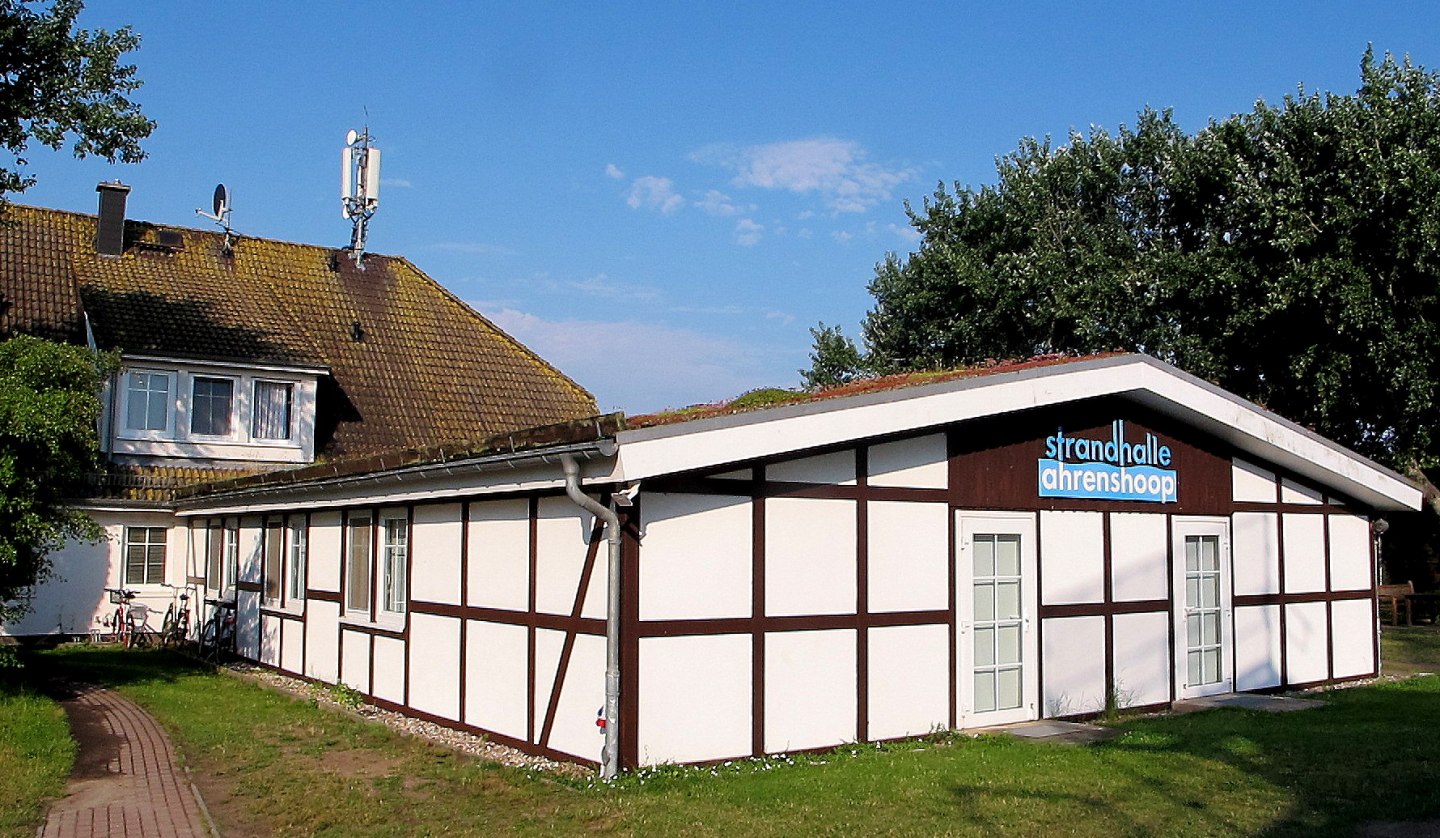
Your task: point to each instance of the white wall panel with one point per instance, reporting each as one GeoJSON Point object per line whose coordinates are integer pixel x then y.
{"type": "Point", "coordinates": [1354, 631]}
{"type": "Point", "coordinates": [1257, 647]}
{"type": "Point", "coordinates": [1304, 537]}
{"type": "Point", "coordinates": [909, 556]}
{"type": "Point", "coordinates": [251, 547]}
{"type": "Point", "coordinates": [919, 463]}
{"type": "Point", "coordinates": [355, 660]}
{"type": "Point", "coordinates": [809, 689]}
{"type": "Point", "coordinates": [583, 693]}
{"type": "Point", "coordinates": [548, 645]}
{"type": "Point", "coordinates": [835, 467]}
{"type": "Point", "coordinates": [561, 541]}
{"type": "Point", "coordinates": [1306, 655]}
{"type": "Point", "coordinates": [434, 649]}
{"type": "Point", "coordinates": [247, 624]}
{"type": "Point", "coordinates": [499, 554]}
{"type": "Point", "coordinates": [695, 557]}
{"type": "Point", "coordinates": [1138, 556]}
{"type": "Point", "coordinates": [1074, 671]}
{"type": "Point", "coordinates": [322, 638]}
{"type": "Point", "coordinates": [909, 680]}
{"type": "Point", "coordinates": [496, 673]}
{"type": "Point", "coordinates": [435, 554]}
{"type": "Point", "coordinates": [1142, 659]}
{"type": "Point", "coordinates": [74, 601]}
{"type": "Point", "coordinates": [695, 698]}
{"type": "Point", "coordinates": [1257, 553]}
{"type": "Point", "coordinates": [292, 645]}
{"type": "Point", "coordinates": [270, 639]}
{"type": "Point", "coordinates": [1072, 557]}
{"type": "Point", "coordinates": [1292, 492]}
{"type": "Point", "coordinates": [595, 592]}
{"type": "Point", "coordinates": [1349, 553]}
{"type": "Point", "coordinates": [389, 669]}
{"type": "Point", "coordinates": [809, 556]}
{"type": "Point", "coordinates": [323, 561]}
{"type": "Point", "coordinates": [1252, 484]}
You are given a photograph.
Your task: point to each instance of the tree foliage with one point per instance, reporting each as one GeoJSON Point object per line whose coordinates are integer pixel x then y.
{"type": "Point", "coordinates": [1290, 254]}
{"type": "Point", "coordinates": [49, 403]}
{"type": "Point", "coordinates": [57, 82]}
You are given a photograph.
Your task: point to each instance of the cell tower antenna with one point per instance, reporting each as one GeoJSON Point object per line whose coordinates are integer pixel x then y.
{"type": "Point", "coordinates": [220, 214]}
{"type": "Point", "coordinates": [359, 187]}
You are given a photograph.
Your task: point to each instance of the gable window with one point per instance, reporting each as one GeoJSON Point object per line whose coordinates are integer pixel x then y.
{"type": "Point", "coordinates": [392, 571]}
{"type": "Point", "coordinates": [357, 565]}
{"type": "Point", "coordinates": [274, 556]}
{"type": "Point", "coordinates": [211, 405]}
{"type": "Point", "coordinates": [271, 410]}
{"type": "Point", "coordinates": [295, 568]}
{"type": "Point", "coordinates": [147, 401]}
{"type": "Point", "coordinates": [144, 555]}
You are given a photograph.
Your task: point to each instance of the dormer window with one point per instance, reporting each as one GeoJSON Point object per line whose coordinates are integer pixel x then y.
{"type": "Point", "coordinates": [148, 401]}
{"type": "Point", "coordinates": [210, 409]}
{"type": "Point", "coordinates": [271, 409]}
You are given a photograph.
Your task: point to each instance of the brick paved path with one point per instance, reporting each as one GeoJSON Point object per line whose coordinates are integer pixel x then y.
{"type": "Point", "coordinates": [125, 781]}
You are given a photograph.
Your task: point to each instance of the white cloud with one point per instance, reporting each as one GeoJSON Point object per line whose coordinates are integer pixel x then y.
{"type": "Point", "coordinates": [747, 232]}
{"type": "Point", "coordinates": [841, 236]}
{"type": "Point", "coordinates": [716, 202]}
{"type": "Point", "coordinates": [909, 235]}
{"type": "Point", "coordinates": [601, 285]}
{"type": "Point", "coordinates": [657, 193]}
{"type": "Point", "coordinates": [832, 168]}
{"type": "Point", "coordinates": [613, 171]}
{"type": "Point", "coordinates": [641, 367]}
{"type": "Point", "coordinates": [396, 182]}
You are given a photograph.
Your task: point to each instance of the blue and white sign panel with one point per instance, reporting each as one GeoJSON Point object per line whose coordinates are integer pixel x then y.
{"type": "Point", "coordinates": [1107, 469]}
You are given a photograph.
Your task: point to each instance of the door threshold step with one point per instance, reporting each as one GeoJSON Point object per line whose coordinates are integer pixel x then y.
{"type": "Point", "coordinates": [1246, 701]}
{"type": "Point", "coordinates": [1050, 730]}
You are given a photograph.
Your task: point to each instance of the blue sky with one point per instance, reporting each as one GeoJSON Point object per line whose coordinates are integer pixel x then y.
{"type": "Point", "coordinates": [662, 198]}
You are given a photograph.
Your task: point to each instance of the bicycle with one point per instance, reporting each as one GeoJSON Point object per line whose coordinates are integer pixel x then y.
{"type": "Point", "coordinates": [175, 629]}
{"type": "Point", "coordinates": [127, 623]}
{"type": "Point", "coordinates": [218, 636]}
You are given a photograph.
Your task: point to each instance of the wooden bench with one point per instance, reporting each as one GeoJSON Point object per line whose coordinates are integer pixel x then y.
{"type": "Point", "coordinates": [1396, 597]}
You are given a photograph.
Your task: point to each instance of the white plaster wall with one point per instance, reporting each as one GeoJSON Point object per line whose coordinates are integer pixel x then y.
{"type": "Point", "coordinates": [1292, 492]}
{"type": "Point", "coordinates": [809, 689]}
{"type": "Point", "coordinates": [809, 556]}
{"type": "Point", "coordinates": [695, 698]}
{"type": "Point", "coordinates": [323, 562]}
{"type": "Point", "coordinates": [1138, 556]}
{"type": "Point", "coordinates": [595, 591]}
{"type": "Point", "coordinates": [1306, 656]}
{"type": "Point", "coordinates": [321, 640]}
{"type": "Point", "coordinates": [355, 660]}
{"type": "Point", "coordinates": [499, 554]}
{"type": "Point", "coordinates": [434, 648]}
{"type": "Point", "coordinates": [292, 645]}
{"type": "Point", "coordinates": [389, 669]}
{"type": "Point", "coordinates": [909, 680]}
{"type": "Point", "coordinates": [247, 624]}
{"type": "Point", "coordinates": [740, 474]}
{"type": "Point", "coordinates": [835, 467]}
{"type": "Point", "coordinates": [496, 672]}
{"type": "Point", "coordinates": [435, 554]}
{"type": "Point", "coordinates": [270, 627]}
{"type": "Point", "coordinates": [1257, 647]}
{"type": "Point", "coordinates": [1354, 632]}
{"type": "Point", "coordinates": [1256, 557]}
{"type": "Point", "coordinates": [1074, 670]}
{"type": "Point", "coordinates": [74, 601]}
{"type": "Point", "coordinates": [695, 556]}
{"type": "Point", "coordinates": [909, 556]}
{"type": "Point", "coordinates": [548, 644]}
{"type": "Point", "coordinates": [561, 540]}
{"type": "Point", "coordinates": [583, 693]}
{"type": "Point", "coordinates": [919, 463]}
{"type": "Point", "coordinates": [1349, 553]}
{"type": "Point", "coordinates": [1072, 556]}
{"type": "Point", "coordinates": [1142, 658]}
{"type": "Point", "coordinates": [1252, 484]}
{"type": "Point", "coordinates": [1304, 537]}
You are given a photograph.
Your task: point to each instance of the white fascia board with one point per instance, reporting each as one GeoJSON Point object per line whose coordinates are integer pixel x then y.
{"type": "Point", "coordinates": [267, 366]}
{"type": "Point", "coordinates": [706, 443]}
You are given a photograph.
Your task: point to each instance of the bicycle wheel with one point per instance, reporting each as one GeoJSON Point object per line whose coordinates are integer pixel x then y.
{"type": "Point", "coordinates": [117, 626]}
{"type": "Point", "coordinates": [209, 645]}
{"type": "Point", "coordinates": [167, 628]}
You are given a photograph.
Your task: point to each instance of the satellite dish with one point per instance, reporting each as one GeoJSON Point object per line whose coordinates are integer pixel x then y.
{"type": "Point", "coordinates": [222, 200]}
{"type": "Point", "coordinates": [350, 137]}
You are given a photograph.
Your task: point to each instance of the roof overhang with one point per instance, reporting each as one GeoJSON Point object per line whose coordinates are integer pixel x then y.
{"type": "Point", "coordinates": [260, 366]}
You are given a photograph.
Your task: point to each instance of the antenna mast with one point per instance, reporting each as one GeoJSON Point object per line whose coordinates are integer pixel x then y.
{"type": "Point", "coordinates": [359, 186]}
{"type": "Point", "coordinates": [221, 215]}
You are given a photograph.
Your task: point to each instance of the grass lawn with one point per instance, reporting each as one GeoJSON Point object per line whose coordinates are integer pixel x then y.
{"type": "Point", "coordinates": [270, 764]}
{"type": "Point", "coordinates": [36, 753]}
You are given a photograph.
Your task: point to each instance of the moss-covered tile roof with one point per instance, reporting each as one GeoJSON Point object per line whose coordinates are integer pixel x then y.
{"type": "Point", "coordinates": [410, 365]}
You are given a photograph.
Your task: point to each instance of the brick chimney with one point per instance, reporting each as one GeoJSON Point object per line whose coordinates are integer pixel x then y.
{"type": "Point", "coordinates": [110, 232]}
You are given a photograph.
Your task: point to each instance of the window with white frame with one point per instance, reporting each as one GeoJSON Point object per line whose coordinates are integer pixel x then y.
{"type": "Point", "coordinates": [211, 405]}
{"type": "Point", "coordinates": [295, 567]}
{"type": "Point", "coordinates": [271, 410]}
{"type": "Point", "coordinates": [148, 400]}
{"type": "Point", "coordinates": [392, 571]}
{"type": "Point", "coordinates": [274, 555]}
{"type": "Point", "coordinates": [358, 555]}
{"type": "Point", "coordinates": [144, 555]}
{"type": "Point", "coordinates": [214, 556]}
{"type": "Point", "coordinates": [231, 560]}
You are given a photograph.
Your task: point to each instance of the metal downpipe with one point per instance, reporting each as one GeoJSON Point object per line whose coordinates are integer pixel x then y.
{"type": "Point", "coordinates": [610, 766]}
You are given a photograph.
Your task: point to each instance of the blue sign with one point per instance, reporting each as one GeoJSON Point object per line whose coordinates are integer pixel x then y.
{"type": "Point", "coordinates": [1107, 469]}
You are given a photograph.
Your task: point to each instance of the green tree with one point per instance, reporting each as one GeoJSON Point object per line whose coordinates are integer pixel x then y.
{"type": "Point", "coordinates": [1290, 254]}
{"type": "Point", "coordinates": [59, 83]}
{"type": "Point", "coordinates": [49, 403]}
{"type": "Point", "coordinates": [834, 361]}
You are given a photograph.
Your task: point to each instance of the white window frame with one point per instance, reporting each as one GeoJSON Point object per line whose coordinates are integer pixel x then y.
{"type": "Point", "coordinates": [392, 594]}
{"type": "Point", "coordinates": [272, 553]}
{"type": "Point", "coordinates": [122, 420]}
{"type": "Point", "coordinates": [145, 568]}
{"type": "Point", "coordinates": [230, 559]}
{"type": "Point", "coordinates": [297, 546]}
{"type": "Point", "coordinates": [287, 441]}
{"type": "Point", "coordinates": [236, 414]}
{"type": "Point", "coordinates": [356, 520]}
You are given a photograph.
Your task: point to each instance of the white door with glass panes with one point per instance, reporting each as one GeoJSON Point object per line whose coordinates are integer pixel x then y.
{"type": "Point", "coordinates": [1202, 607]}
{"type": "Point", "coordinates": [995, 602]}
